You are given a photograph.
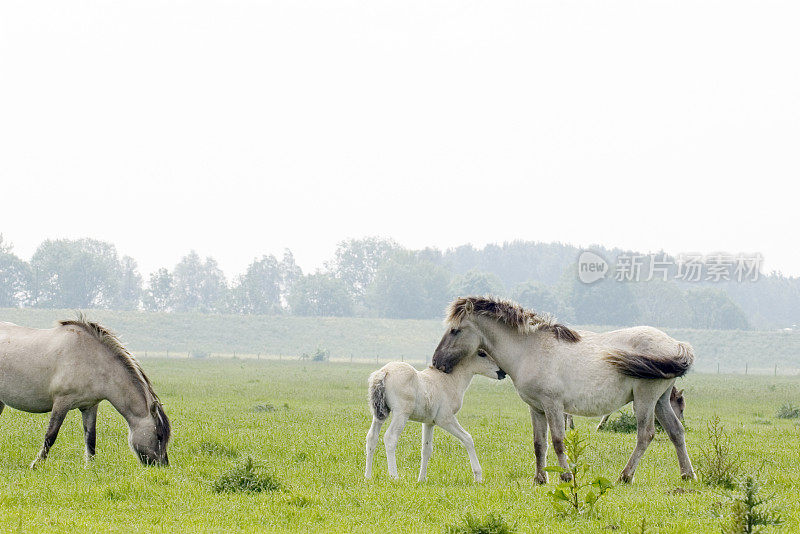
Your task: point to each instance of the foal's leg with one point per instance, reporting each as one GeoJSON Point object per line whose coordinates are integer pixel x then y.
{"type": "Point", "coordinates": [59, 412]}
{"type": "Point", "coordinates": [451, 425]}
{"type": "Point", "coordinates": [373, 436]}
{"type": "Point", "coordinates": [390, 439]}
{"type": "Point", "coordinates": [89, 416]}
{"type": "Point", "coordinates": [644, 401]}
{"type": "Point", "coordinates": [539, 422]}
{"type": "Point", "coordinates": [666, 416]}
{"type": "Point", "coordinates": [603, 421]}
{"type": "Point", "coordinates": [555, 420]}
{"type": "Point", "coordinates": [427, 450]}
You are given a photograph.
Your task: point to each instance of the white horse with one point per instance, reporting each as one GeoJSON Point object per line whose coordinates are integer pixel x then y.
{"type": "Point", "coordinates": [556, 370]}
{"type": "Point", "coordinates": [430, 397]}
{"type": "Point", "coordinates": [77, 364]}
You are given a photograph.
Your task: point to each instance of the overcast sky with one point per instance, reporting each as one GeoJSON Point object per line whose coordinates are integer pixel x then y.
{"type": "Point", "coordinates": [240, 128]}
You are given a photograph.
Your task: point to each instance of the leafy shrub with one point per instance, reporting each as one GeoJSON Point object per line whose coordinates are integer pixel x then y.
{"type": "Point", "coordinates": [577, 496]}
{"type": "Point", "coordinates": [788, 411]}
{"type": "Point", "coordinates": [321, 355]}
{"type": "Point", "coordinates": [246, 478]}
{"type": "Point", "coordinates": [491, 524]}
{"type": "Point", "coordinates": [746, 517]}
{"type": "Point", "coordinates": [215, 448]}
{"type": "Point", "coordinates": [719, 465]}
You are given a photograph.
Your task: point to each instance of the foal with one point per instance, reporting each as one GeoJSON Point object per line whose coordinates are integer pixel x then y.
{"type": "Point", "coordinates": [430, 397]}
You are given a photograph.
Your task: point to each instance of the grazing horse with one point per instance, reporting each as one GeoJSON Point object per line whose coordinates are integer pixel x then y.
{"type": "Point", "coordinates": [430, 397]}
{"type": "Point", "coordinates": [556, 369]}
{"type": "Point", "coordinates": [77, 364]}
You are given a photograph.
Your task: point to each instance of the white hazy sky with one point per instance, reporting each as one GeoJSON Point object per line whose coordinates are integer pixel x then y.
{"type": "Point", "coordinates": [239, 128]}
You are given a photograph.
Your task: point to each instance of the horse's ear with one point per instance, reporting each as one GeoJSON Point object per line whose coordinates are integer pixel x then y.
{"type": "Point", "coordinates": [154, 409]}
{"type": "Point", "coordinates": [469, 307]}
{"type": "Point", "coordinates": [679, 394]}
{"type": "Point", "coordinates": [674, 393]}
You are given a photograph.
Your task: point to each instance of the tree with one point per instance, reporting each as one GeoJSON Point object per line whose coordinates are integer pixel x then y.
{"type": "Point", "coordinates": [475, 282]}
{"type": "Point", "coordinates": [357, 260]}
{"type": "Point", "coordinates": [130, 287]}
{"type": "Point", "coordinates": [15, 277]}
{"type": "Point", "coordinates": [199, 286]}
{"type": "Point", "coordinates": [409, 288]}
{"type": "Point", "coordinates": [79, 273]}
{"type": "Point", "coordinates": [259, 289]}
{"type": "Point", "coordinates": [158, 295]}
{"type": "Point", "coordinates": [320, 294]}
{"type": "Point", "coordinates": [536, 296]}
{"type": "Point", "coordinates": [713, 309]}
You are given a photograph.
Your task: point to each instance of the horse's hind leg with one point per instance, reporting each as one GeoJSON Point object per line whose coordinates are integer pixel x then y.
{"type": "Point", "coordinates": [644, 401]}
{"type": "Point", "coordinates": [390, 439]}
{"type": "Point", "coordinates": [89, 416]}
{"type": "Point", "coordinates": [57, 416]}
{"type": "Point", "coordinates": [373, 436]}
{"type": "Point", "coordinates": [1, 407]}
{"type": "Point", "coordinates": [603, 421]}
{"type": "Point", "coordinates": [427, 450]}
{"type": "Point", "coordinates": [666, 416]}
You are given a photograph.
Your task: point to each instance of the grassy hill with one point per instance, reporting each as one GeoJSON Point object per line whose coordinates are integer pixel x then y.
{"type": "Point", "coordinates": [367, 339]}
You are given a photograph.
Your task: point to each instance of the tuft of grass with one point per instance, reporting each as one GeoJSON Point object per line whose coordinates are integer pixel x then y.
{"type": "Point", "coordinates": [247, 478]}
{"type": "Point", "coordinates": [215, 448]}
{"type": "Point", "coordinates": [490, 524]}
{"type": "Point", "coordinates": [625, 423]}
{"type": "Point", "coordinates": [788, 411]}
{"type": "Point", "coordinates": [719, 465]}
{"type": "Point", "coordinates": [264, 408]}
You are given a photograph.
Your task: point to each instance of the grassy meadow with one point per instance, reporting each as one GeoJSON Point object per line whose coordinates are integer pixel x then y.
{"type": "Point", "coordinates": [303, 424]}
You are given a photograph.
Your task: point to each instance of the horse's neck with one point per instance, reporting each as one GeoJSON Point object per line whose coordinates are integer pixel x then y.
{"type": "Point", "coordinates": [508, 347]}
{"type": "Point", "coordinates": [460, 379]}
{"type": "Point", "coordinates": [128, 397]}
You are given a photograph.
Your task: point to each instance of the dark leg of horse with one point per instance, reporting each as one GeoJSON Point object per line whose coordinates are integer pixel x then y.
{"type": "Point", "coordinates": [57, 416]}
{"type": "Point", "coordinates": [555, 420]}
{"type": "Point", "coordinates": [569, 424]}
{"type": "Point", "coordinates": [1, 407]}
{"type": "Point", "coordinates": [89, 416]}
{"type": "Point", "coordinates": [669, 421]}
{"type": "Point", "coordinates": [539, 422]}
{"type": "Point", "coordinates": [643, 406]}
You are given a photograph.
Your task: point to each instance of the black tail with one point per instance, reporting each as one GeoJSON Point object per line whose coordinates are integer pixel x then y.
{"type": "Point", "coordinates": [377, 395]}
{"type": "Point", "coordinates": [647, 366]}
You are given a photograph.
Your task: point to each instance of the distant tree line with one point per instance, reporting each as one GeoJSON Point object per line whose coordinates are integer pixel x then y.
{"type": "Point", "coordinates": [373, 277]}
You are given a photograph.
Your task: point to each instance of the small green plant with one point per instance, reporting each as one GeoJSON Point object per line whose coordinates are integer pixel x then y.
{"type": "Point", "coordinates": [246, 478]}
{"type": "Point", "coordinates": [321, 355]}
{"type": "Point", "coordinates": [788, 411]}
{"type": "Point", "coordinates": [719, 465]}
{"type": "Point", "coordinates": [625, 423]}
{"type": "Point", "coordinates": [491, 524]}
{"type": "Point", "coordinates": [747, 514]}
{"type": "Point", "coordinates": [577, 496]}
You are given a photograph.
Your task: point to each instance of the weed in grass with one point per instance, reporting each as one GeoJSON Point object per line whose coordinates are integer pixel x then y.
{"type": "Point", "coordinates": [246, 478]}
{"type": "Point", "coordinates": [747, 513]}
{"type": "Point", "coordinates": [577, 496]}
{"type": "Point", "coordinates": [264, 408]}
{"type": "Point", "coordinates": [625, 423]}
{"type": "Point", "coordinates": [215, 448]}
{"type": "Point", "coordinates": [788, 411]}
{"type": "Point", "coordinates": [491, 524]}
{"type": "Point", "coordinates": [718, 465]}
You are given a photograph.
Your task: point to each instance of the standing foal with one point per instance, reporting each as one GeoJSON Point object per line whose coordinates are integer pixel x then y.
{"type": "Point", "coordinates": [430, 397]}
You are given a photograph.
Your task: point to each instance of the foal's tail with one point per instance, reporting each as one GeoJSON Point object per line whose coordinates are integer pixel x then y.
{"type": "Point", "coordinates": [653, 366]}
{"type": "Point", "coordinates": [377, 394]}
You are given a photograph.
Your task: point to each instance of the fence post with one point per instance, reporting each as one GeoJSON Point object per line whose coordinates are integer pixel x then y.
{"type": "Point", "coordinates": [745, 368]}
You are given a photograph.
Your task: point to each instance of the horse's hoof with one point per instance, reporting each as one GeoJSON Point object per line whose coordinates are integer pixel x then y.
{"type": "Point", "coordinates": [566, 476]}
{"type": "Point", "coordinates": [625, 479]}
{"type": "Point", "coordinates": [688, 476]}
{"type": "Point", "coordinates": [541, 478]}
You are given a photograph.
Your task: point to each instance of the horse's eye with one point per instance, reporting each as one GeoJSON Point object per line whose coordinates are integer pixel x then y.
{"type": "Point", "coordinates": [482, 354]}
{"type": "Point", "coordinates": [454, 331]}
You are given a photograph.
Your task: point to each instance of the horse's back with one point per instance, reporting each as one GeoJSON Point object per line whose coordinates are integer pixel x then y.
{"type": "Point", "coordinates": [640, 339]}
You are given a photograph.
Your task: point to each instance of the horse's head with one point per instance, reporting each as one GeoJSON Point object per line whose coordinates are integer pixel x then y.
{"type": "Point", "coordinates": [458, 342]}
{"type": "Point", "coordinates": [149, 436]}
{"type": "Point", "coordinates": [677, 402]}
{"type": "Point", "coordinates": [481, 363]}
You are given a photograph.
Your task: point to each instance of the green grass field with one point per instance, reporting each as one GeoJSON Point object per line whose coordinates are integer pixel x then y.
{"type": "Point", "coordinates": [305, 424]}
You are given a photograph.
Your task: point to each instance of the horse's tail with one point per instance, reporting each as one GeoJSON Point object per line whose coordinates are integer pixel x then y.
{"type": "Point", "coordinates": [653, 366]}
{"type": "Point", "coordinates": [377, 395]}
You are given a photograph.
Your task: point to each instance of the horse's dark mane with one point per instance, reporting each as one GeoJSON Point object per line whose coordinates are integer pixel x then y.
{"type": "Point", "coordinates": [509, 313]}
{"type": "Point", "coordinates": [132, 365]}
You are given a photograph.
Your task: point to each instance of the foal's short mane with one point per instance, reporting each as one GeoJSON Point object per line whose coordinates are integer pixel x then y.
{"type": "Point", "coordinates": [509, 313]}
{"type": "Point", "coordinates": [113, 344]}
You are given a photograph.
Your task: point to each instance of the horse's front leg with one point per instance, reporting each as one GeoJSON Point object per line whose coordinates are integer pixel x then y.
{"type": "Point", "coordinates": [89, 416]}
{"type": "Point", "coordinates": [452, 426]}
{"type": "Point", "coordinates": [643, 406]}
{"type": "Point", "coordinates": [59, 412]}
{"type": "Point", "coordinates": [539, 422]}
{"type": "Point", "coordinates": [555, 420]}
